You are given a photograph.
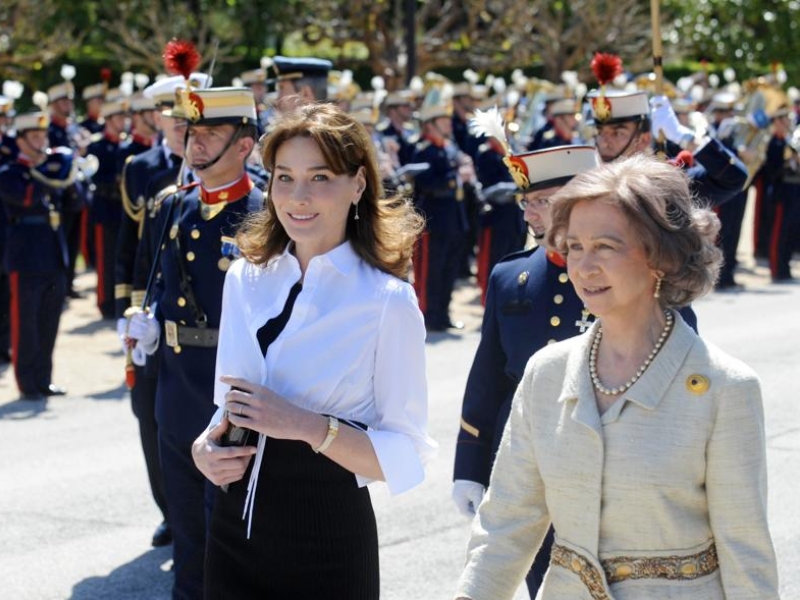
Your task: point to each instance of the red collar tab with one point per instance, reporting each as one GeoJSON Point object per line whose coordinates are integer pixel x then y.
{"type": "Point", "coordinates": [144, 141]}
{"type": "Point", "coordinates": [556, 259]}
{"type": "Point", "coordinates": [24, 160]}
{"type": "Point", "coordinates": [59, 121]}
{"type": "Point", "coordinates": [114, 139]}
{"type": "Point", "coordinates": [439, 143]}
{"type": "Point", "coordinates": [232, 193]}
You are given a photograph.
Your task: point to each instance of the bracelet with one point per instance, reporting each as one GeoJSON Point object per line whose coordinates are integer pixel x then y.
{"type": "Point", "coordinates": [333, 429]}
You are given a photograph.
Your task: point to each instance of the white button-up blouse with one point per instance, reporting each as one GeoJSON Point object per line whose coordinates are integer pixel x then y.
{"type": "Point", "coordinates": [354, 348]}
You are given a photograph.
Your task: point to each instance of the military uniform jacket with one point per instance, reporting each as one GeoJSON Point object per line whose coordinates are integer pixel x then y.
{"type": "Point", "coordinates": [529, 303]}
{"type": "Point", "coordinates": [106, 205]}
{"type": "Point", "coordinates": [676, 464]}
{"type": "Point", "coordinates": [35, 242]}
{"type": "Point", "coordinates": [403, 138]}
{"type": "Point", "coordinates": [205, 249]}
{"type": "Point", "coordinates": [719, 176]}
{"type": "Point", "coordinates": [438, 192]}
{"type": "Point", "coordinates": [504, 216]}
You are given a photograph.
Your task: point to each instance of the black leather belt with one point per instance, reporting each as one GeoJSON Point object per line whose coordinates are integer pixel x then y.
{"type": "Point", "coordinates": [180, 335]}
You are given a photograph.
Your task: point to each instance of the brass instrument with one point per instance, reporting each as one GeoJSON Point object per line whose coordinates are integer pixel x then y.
{"type": "Point", "coordinates": [62, 168]}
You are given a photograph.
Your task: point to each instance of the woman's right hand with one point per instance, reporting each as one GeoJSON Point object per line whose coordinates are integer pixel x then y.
{"type": "Point", "coordinates": [220, 464]}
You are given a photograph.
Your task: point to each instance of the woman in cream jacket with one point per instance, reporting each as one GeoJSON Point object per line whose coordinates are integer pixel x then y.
{"type": "Point", "coordinates": [643, 444]}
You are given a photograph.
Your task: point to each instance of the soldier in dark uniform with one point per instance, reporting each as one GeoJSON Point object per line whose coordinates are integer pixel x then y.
{"type": "Point", "coordinates": [145, 174]}
{"type": "Point", "coordinates": [623, 122]}
{"type": "Point", "coordinates": [201, 219]}
{"type": "Point", "coordinates": [439, 196]}
{"type": "Point", "coordinates": [7, 153]}
{"type": "Point", "coordinates": [106, 209]}
{"type": "Point", "coordinates": [256, 80]}
{"type": "Point", "coordinates": [561, 125]}
{"type": "Point", "coordinates": [501, 226]}
{"type": "Point", "coordinates": [93, 97]}
{"type": "Point", "coordinates": [35, 254]}
{"type": "Point", "coordinates": [64, 132]}
{"type": "Point", "coordinates": [397, 125]}
{"type": "Point", "coordinates": [300, 81]}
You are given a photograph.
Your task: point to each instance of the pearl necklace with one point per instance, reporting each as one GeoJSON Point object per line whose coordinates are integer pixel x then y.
{"type": "Point", "coordinates": [598, 385]}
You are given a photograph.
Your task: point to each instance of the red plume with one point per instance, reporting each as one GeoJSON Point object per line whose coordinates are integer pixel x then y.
{"type": "Point", "coordinates": [181, 58]}
{"type": "Point", "coordinates": [685, 160]}
{"type": "Point", "coordinates": [606, 67]}
{"type": "Point", "coordinates": [105, 74]}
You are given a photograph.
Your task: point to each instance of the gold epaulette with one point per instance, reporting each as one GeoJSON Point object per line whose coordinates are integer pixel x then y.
{"type": "Point", "coordinates": [161, 196]}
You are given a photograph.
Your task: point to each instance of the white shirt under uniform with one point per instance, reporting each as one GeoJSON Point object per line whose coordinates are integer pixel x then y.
{"type": "Point", "coordinates": [354, 348]}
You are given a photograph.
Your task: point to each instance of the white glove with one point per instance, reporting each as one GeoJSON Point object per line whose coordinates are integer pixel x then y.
{"type": "Point", "coordinates": [146, 330]}
{"type": "Point", "coordinates": [138, 355]}
{"type": "Point", "coordinates": [122, 332]}
{"type": "Point", "coordinates": [664, 120]}
{"type": "Point", "coordinates": [467, 495]}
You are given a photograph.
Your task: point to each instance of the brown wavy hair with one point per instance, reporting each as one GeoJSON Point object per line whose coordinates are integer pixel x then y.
{"type": "Point", "coordinates": [387, 228]}
{"type": "Point", "coordinates": [678, 234]}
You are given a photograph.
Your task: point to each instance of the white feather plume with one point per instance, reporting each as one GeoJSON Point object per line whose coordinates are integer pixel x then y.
{"type": "Point", "coordinates": [68, 72]}
{"type": "Point", "coordinates": [489, 123]}
{"type": "Point", "coordinates": [266, 62]}
{"type": "Point", "coordinates": [141, 80]}
{"type": "Point", "coordinates": [378, 83]}
{"type": "Point", "coordinates": [12, 89]}
{"type": "Point", "coordinates": [40, 99]}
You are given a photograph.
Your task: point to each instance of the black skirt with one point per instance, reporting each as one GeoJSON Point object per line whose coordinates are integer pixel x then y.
{"type": "Point", "coordinates": [313, 533]}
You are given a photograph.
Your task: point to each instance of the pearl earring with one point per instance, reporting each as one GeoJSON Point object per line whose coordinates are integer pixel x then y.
{"type": "Point", "coordinates": [657, 292]}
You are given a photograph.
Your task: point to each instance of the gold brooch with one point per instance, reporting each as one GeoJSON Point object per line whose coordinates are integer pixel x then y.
{"type": "Point", "coordinates": [697, 384]}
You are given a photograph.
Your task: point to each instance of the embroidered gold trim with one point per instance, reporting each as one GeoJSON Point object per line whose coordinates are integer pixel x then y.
{"type": "Point", "coordinates": [621, 568]}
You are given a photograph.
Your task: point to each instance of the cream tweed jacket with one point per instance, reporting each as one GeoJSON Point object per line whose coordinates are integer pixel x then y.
{"type": "Point", "coordinates": [676, 464]}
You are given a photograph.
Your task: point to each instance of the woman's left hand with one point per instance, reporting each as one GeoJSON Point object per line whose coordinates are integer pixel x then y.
{"type": "Point", "coordinates": [258, 408]}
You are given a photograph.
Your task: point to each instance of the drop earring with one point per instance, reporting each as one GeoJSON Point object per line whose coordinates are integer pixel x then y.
{"type": "Point", "coordinates": [355, 216]}
{"type": "Point", "coordinates": [657, 292]}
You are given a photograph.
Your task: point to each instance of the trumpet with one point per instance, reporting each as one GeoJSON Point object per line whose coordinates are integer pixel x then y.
{"type": "Point", "coordinates": [61, 168]}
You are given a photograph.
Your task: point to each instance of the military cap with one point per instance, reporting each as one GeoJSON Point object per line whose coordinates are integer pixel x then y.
{"type": "Point", "coordinates": [618, 106]}
{"type": "Point", "coordinates": [163, 90]}
{"type": "Point", "coordinates": [564, 106]}
{"type": "Point", "coordinates": [65, 89]}
{"type": "Point", "coordinates": [31, 120]}
{"type": "Point", "coordinates": [97, 90]}
{"type": "Point", "coordinates": [550, 167]}
{"type": "Point", "coordinates": [216, 106]}
{"type": "Point", "coordinates": [297, 68]}
{"type": "Point", "coordinates": [253, 76]}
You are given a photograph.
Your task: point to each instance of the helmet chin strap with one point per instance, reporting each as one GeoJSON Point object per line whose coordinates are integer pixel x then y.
{"type": "Point", "coordinates": [208, 164]}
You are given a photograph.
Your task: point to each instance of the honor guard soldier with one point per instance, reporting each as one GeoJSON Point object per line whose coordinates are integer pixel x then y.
{"type": "Point", "coordinates": [106, 210]}
{"type": "Point", "coordinates": [35, 254]}
{"type": "Point", "coordinates": [8, 151]}
{"type": "Point", "coordinates": [300, 81]}
{"type": "Point", "coordinates": [397, 126]}
{"type": "Point", "coordinates": [439, 196]}
{"type": "Point", "coordinates": [200, 220]}
{"type": "Point", "coordinates": [64, 132]}
{"type": "Point", "coordinates": [530, 302]}
{"type": "Point", "coordinates": [561, 126]}
{"type": "Point", "coordinates": [256, 80]}
{"type": "Point", "coordinates": [501, 226]}
{"type": "Point", "coordinates": [93, 97]}
{"type": "Point", "coordinates": [144, 176]}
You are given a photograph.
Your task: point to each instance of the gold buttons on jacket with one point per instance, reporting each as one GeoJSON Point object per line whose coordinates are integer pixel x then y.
{"type": "Point", "coordinates": [558, 299]}
{"type": "Point", "coordinates": [190, 256]}
{"type": "Point", "coordinates": [522, 278]}
{"type": "Point", "coordinates": [181, 301]}
{"type": "Point", "coordinates": [555, 321]}
{"type": "Point", "coordinates": [177, 349]}
{"type": "Point", "coordinates": [173, 232]}
{"type": "Point", "coordinates": [551, 341]}
{"type": "Point", "coordinates": [563, 278]}
{"type": "Point", "coordinates": [224, 263]}
{"type": "Point", "coordinates": [195, 234]}
{"type": "Point", "coordinates": [697, 384]}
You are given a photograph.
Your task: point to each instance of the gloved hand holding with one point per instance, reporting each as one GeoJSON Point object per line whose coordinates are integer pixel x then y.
{"type": "Point", "coordinates": [467, 495]}
{"type": "Point", "coordinates": [664, 120]}
{"type": "Point", "coordinates": [138, 356]}
{"type": "Point", "coordinates": [145, 329]}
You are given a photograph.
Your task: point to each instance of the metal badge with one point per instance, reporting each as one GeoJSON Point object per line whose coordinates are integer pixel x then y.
{"type": "Point", "coordinates": [171, 333]}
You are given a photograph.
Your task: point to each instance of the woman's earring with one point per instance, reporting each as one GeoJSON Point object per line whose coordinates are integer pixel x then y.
{"type": "Point", "coordinates": [355, 216]}
{"type": "Point", "coordinates": [657, 292]}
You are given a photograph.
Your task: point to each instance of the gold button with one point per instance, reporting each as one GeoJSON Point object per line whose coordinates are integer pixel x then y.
{"type": "Point", "coordinates": [173, 232]}
{"type": "Point", "coordinates": [195, 234]}
{"type": "Point", "coordinates": [624, 570]}
{"type": "Point", "coordinates": [522, 278]}
{"type": "Point", "coordinates": [190, 256]}
{"type": "Point", "coordinates": [177, 349]}
{"type": "Point", "coordinates": [181, 301]}
{"type": "Point", "coordinates": [558, 299]}
{"type": "Point", "coordinates": [555, 321]}
{"type": "Point", "coordinates": [563, 278]}
{"type": "Point", "coordinates": [551, 341]}
{"type": "Point", "coordinates": [576, 565]}
{"type": "Point", "coordinates": [697, 384]}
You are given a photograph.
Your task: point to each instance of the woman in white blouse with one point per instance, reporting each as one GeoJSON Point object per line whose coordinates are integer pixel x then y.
{"type": "Point", "coordinates": [321, 352]}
